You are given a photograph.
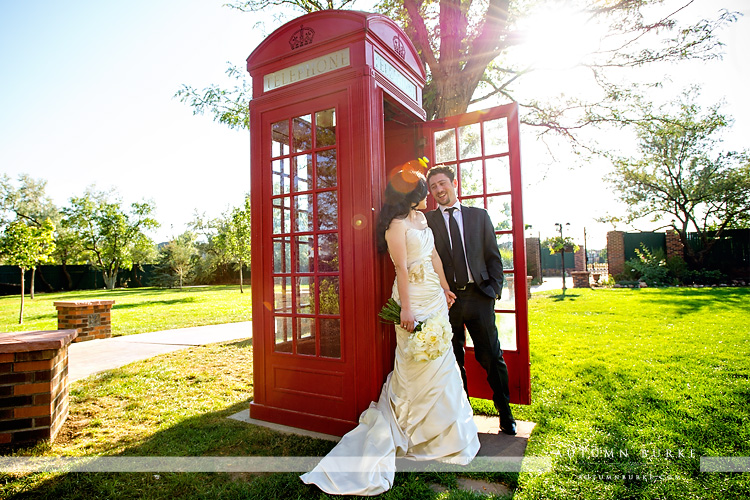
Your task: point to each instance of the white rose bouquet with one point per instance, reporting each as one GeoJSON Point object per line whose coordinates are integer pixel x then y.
{"type": "Point", "coordinates": [429, 340]}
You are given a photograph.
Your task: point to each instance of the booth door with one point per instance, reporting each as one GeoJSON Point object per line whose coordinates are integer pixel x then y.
{"type": "Point", "coordinates": [483, 148]}
{"type": "Point", "coordinates": [308, 366]}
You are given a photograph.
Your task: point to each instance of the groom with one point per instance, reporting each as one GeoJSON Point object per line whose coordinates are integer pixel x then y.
{"type": "Point", "coordinates": [465, 235]}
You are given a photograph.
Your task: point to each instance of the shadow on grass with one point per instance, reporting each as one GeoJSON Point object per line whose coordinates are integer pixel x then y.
{"type": "Point", "coordinates": [211, 434]}
{"type": "Point", "coordinates": [564, 296]}
{"type": "Point", "coordinates": [184, 300]}
{"type": "Point", "coordinates": [692, 300]}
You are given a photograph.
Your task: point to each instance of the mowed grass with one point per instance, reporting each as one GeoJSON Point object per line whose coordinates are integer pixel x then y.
{"type": "Point", "coordinates": [136, 310]}
{"type": "Point", "coordinates": [629, 389]}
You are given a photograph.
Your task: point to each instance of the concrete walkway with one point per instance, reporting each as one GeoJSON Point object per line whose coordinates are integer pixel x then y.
{"type": "Point", "coordinates": [94, 356]}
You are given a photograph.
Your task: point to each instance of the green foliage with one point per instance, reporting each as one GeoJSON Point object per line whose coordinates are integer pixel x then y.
{"type": "Point", "coordinates": [557, 244]}
{"type": "Point", "coordinates": [651, 266]}
{"type": "Point", "coordinates": [235, 237]}
{"type": "Point", "coordinates": [682, 176]}
{"type": "Point", "coordinates": [107, 232]}
{"type": "Point", "coordinates": [704, 277]}
{"type": "Point", "coordinates": [26, 246]}
{"type": "Point", "coordinates": [176, 261]}
{"type": "Point", "coordinates": [468, 52]}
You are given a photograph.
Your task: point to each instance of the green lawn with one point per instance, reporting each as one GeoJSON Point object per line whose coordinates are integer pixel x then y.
{"type": "Point", "coordinates": [659, 375]}
{"type": "Point", "coordinates": [136, 310]}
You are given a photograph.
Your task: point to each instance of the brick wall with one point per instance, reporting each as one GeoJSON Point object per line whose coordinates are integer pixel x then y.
{"type": "Point", "coordinates": [533, 259]}
{"type": "Point", "coordinates": [92, 319]}
{"type": "Point", "coordinates": [674, 245]}
{"type": "Point", "coordinates": [580, 259]}
{"type": "Point", "coordinates": [615, 252]}
{"type": "Point", "coordinates": [33, 386]}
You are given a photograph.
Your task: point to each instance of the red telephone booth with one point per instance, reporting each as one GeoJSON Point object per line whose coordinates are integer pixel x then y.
{"type": "Point", "coordinates": [336, 105]}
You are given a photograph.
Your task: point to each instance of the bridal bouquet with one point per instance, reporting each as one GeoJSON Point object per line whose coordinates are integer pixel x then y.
{"type": "Point", "coordinates": [429, 340]}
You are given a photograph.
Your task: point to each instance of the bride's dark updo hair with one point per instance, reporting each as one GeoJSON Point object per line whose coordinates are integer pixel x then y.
{"type": "Point", "coordinates": [404, 192]}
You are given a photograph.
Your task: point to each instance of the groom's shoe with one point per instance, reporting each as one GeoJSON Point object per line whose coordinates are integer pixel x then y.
{"type": "Point", "coordinates": [508, 427]}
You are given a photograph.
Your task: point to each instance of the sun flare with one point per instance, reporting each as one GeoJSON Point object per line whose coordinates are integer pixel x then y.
{"type": "Point", "coordinates": [558, 38]}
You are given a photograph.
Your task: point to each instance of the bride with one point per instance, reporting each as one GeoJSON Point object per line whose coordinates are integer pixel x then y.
{"type": "Point", "coordinates": [423, 412]}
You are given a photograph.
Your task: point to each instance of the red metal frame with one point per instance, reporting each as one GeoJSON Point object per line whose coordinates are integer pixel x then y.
{"type": "Point", "coordinates": [518, 360]}
{"type": "Point", "coordinates": [376, 93]}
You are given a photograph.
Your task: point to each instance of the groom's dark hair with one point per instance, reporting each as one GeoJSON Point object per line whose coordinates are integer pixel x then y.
{"type": "Point", "coordinates": [441, 169]}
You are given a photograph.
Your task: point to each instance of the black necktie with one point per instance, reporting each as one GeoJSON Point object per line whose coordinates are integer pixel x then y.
{"type": "Point", "coordinates": [459, 259]}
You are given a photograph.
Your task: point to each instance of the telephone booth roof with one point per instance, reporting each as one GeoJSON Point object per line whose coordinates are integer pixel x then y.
{"type": "Point", "coordinates": [305, 37]}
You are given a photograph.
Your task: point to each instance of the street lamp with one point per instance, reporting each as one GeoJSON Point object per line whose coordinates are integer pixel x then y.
{"type": "Point", "coordinates": [562, 251]}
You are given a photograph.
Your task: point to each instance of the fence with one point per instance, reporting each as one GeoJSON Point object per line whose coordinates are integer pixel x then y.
{"type": "Point", "coordinates": [730, 252]}
{"type": "Point", "coordinates": [85, 277]}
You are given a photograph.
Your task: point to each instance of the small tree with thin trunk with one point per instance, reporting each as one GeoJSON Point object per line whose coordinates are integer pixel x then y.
{"type": "Point", "coordinates": [235, 237]}
{"type": "Point", "coordinates": [26, 246]}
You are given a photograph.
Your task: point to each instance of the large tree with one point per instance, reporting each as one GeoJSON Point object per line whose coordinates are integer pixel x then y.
{"type": "Point", "coordinates": [469, 48]}
{"type": "Point", "coordinates": [108, 232]}
{"type": "Point", "coordinates": [25, 246]}
{"type": "Point", "coordinates": [681, 177]}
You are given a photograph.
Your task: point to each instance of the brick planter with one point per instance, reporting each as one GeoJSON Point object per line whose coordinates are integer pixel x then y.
{"type": "Point", "coordinates": [92, 319]}
{"type": "Point", "coordinates": [33, 386]}
{"type": "Point", "coordinates": [580, 279]}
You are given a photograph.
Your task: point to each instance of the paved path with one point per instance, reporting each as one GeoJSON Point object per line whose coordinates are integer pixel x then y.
{"type": "Point", "coordinates": [552, 283]}
{"type": "Point", "coordinates": [94, 356]}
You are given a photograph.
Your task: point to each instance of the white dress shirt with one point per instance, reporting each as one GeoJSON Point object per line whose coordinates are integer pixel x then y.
{"type": "Point", "coordinates": [460, 220]}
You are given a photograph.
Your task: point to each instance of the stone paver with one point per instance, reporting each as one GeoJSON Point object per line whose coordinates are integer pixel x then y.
{"type": "Point", "coordinates": [94, 356]}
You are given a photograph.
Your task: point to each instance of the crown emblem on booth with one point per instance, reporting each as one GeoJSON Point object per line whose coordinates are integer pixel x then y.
{"type": "Point", "coordinates": [399, 46]}
{"type": "Point", "coordinates": [302, 37]}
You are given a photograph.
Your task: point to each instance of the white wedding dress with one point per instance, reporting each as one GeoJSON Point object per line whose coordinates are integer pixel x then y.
{"type": "Point", "coordinates": [422, 413]}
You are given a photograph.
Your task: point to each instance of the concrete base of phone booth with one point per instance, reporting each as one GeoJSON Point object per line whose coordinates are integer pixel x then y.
{"type": "Point", "coordinates": [494, 443]}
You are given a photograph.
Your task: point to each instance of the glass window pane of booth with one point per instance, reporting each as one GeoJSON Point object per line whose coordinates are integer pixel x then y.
{"type": "Point", "coordinates": [330, 338]}
{"type": "Point", "coordinates": [283, 334]}
{"type": "Point", "coordinates": [498, 175]}
{"type": "Point", "coordinates": [325, 128]}
{"type": "Point", "coordinates": [303, 172]}
{"type": "Point", "coordinates": [496, 136]}
{"type": "Point", "coordinates": [328, 210]}
{"type": "Point", "coordinates": [329, 295]}
{"type": "Point", "coordinates": [302, 133]}
{"type": "Point", "coordinates": [328, 253]}
{"type": "Point", "coordinates": [470, 141]}
{"type": "Point", "coordinates": [306, 302]}
{"type": "Point", "coordinates": [445, 146]}
{"type": "Point", "coordinates": [281, 175]}
{"type": "Point", "coordinates": [306, 336]}
{"type": "Point", "coordinates": [303, 213]}
{"type": "Point", "coordinates": [326, 171]}
{"type": "Point", "coordinates": [499, 208]}
{"type": "Point", "coordinates": [280, 138]}
{"type": "Point", "coordinates": [472, 178]}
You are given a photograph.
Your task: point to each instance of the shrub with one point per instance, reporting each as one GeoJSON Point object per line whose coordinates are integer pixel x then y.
{"type": "Point", "coordinates": [651, 266]}
{"type": "Point", "coordinates": [704, 277]}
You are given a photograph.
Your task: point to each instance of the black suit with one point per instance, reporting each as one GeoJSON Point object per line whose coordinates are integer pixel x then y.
{"type": "Point", "coordinates": [474, 306]}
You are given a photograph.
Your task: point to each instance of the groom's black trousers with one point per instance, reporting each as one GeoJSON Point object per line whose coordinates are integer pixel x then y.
{"type": "Point", "coordinates": [475, 310]}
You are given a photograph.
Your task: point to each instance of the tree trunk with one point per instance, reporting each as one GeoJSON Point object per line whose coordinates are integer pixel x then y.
{"type": "Point", "coordinates": [67, 276]}
{"type": "Point", "coordinates": [241, 291]}
{"type": "Point", "coordinates": [110, 279]}
{"type": "Point", "coordinates": [23, 288]}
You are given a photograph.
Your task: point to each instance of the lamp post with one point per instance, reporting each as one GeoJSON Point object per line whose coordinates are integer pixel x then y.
{"type": "Point", "coordinates": [562, 251]}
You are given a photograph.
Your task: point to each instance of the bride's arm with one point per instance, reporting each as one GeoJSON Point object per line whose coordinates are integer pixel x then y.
{"type": "Point", "coordinates": [437, 264]}
{"type": "Point", "coordinates": [395, 236]}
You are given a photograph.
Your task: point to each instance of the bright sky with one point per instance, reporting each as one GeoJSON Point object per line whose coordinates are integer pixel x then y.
{"type": "Point", "coordinates": [86, 98]}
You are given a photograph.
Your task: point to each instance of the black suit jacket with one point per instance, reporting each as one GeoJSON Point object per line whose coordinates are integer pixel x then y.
{"type": "Point", "coordinates": [482, 253]}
